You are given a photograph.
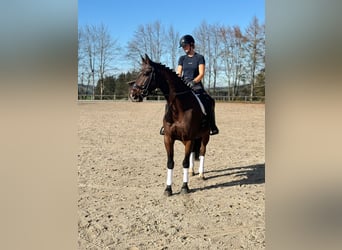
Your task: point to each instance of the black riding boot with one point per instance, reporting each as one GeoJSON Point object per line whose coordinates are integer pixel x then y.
{"type": "Point", "coordinates": [213, 128]}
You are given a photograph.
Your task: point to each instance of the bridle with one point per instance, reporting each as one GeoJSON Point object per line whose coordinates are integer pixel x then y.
{"type": "Point", "coordinates": [145, 87]}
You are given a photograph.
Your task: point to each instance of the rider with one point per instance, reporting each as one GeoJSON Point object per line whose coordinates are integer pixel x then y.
{"type": "Point", "coordinates": [191, 67]}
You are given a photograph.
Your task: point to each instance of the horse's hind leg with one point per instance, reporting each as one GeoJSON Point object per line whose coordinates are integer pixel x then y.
{"type": "Point", "coordinates": [204, 143]}
{"type": "Point", "coordinates": [192, 163]}
{"type": "Point", "coordinates": [201, 167]}
{"type": "Point", "coordinates": [197, 147]}
{"type": "Point", "coordinates": [194, 155]}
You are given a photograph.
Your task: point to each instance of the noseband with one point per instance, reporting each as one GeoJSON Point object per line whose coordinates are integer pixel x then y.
{"type": "Point", "coordinates": [144, 87]}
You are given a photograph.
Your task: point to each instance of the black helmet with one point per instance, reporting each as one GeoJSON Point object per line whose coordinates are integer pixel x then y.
{"type": "Point", "coordinates": [187, 39]}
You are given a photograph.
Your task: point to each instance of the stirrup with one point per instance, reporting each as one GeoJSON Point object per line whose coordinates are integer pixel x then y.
{"type": "Point", "coordinates": [161, 132]}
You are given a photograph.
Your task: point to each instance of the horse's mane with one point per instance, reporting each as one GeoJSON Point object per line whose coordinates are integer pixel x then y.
{"type": "Point", "coordinates": [175, 78]}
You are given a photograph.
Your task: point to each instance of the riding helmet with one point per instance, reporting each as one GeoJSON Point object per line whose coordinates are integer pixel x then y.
{"type": "Point", "coordinates": [187, 39]}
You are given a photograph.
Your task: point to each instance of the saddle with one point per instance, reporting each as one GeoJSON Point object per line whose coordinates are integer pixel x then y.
{"type": "Point", "coordinates": [205, 103]}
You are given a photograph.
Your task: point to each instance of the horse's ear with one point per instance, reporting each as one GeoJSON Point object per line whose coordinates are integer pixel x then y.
{"type": "Point", "coordinates": [147, 58]}
{"type": "Point", "coordinates": [143, 60]}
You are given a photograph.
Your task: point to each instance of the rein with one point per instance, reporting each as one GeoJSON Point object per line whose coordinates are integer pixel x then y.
{"type": "Point", "coordinates": [180, 93]}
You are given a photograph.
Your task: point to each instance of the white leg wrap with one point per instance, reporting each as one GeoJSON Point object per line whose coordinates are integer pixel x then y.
{"type": "Point", "coordinates": [169, 177]}
{"type": "Point", "coordinates": [201, 165]}
{"type": "Point", "coordinates": [191, 160]}
{"type": "Point", "coordinates": [185, 175]}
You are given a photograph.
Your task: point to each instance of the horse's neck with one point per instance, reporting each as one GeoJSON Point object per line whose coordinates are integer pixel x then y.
{"type": "Point", "coordinates": [172, 85]}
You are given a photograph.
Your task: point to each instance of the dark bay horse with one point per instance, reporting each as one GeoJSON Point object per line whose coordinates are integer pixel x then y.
{"type": "Point", "coordinates": [184, 119]}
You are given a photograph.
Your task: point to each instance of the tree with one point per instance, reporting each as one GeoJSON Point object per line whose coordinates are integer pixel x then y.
{"type": "Point", "coordinates": [88, 47]}
{"type": "Point", "coordinates": [147, 39]}
{"type": "Point", "coordinates": [239, 41]}
{"type": "Point", "coordinates": [97, 51]}
{"type": "Point", "coordinates": [259, 87]}
{"type": "Point", "coordinates": [255, 50]}
{"type": "Point", "coordinates": [115, 87]}
{"type": "Point", "coordinates": [105, 87]}
{"type": "Point", "coordinates": [172, 42]}
{"type": "Point", "coordinates": [233, 53]}
{"type": "Point", "coordinates": [226, 36]}
{"type": "Point", "coordinates": [202, 41]}
{"type": "Point", "coordinates": [106, 51]}
{"type": "Point", "coordinates": [215, 52]}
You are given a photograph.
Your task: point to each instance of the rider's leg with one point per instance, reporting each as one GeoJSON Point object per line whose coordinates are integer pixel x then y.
{"type": "Point", "coordinates": [213, 128]}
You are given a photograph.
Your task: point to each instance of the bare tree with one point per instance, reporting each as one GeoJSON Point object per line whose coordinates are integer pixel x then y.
{"type": "Point", "coordinates": [158, 35]}
{"type": "Point", "coordinates": [255, 50]}
{"type": "Point", "coordinates": [233, 55]}
{"type": "Point", "coordinates": [147, 39]}
{"type": "Point", "coordinates": [106, 50]}
{"type": "Point", "coordinates": [97, 51]}
{"type": "Point", "coordinates": [202, 39]}
{"type": "Point", "coordinates": [137, 46]}
{"type": "Point", "coordinates": [238, 57]}
{"type": "Point", "coordinates": [226, 35]}
{"type": "Point", "coordinates": [80, 56]}
{"type": "Point", "coordinates": [88, 46]}
{"type": "Point", "coordinates": [215, 52]}
{"type": "Point", "coordinates": [172, 43]}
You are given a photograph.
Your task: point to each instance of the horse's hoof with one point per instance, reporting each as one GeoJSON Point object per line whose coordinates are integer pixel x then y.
{"type": "Point", "coordinates": [201, 176]}
{"type": "Point", "coordinates": [185, 189]}
{"type": "Point", "coordinates": [191, 172]}
{"type": "Point", "coordinates": [168, 191]}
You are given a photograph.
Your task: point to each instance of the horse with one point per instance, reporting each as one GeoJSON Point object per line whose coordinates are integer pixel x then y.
{"type": "Point", "coordinates": [131, 91]}
{"type": "Point", "coordinates": [184, 120]}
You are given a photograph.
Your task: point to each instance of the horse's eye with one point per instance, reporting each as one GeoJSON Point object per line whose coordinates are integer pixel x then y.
{"type": "Point", "coordinates": [147, 73]}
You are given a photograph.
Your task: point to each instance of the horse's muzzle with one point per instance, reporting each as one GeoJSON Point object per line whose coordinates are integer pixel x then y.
{"type": "Point", "coordinates": [135, 94]}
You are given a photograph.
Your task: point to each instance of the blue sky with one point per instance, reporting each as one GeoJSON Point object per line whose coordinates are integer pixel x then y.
{"type": "Point", "coordinates": [123, 17]}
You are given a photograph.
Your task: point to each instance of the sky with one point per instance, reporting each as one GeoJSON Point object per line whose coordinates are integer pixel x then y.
{"type": "Point", "coordinates": [122, 18]}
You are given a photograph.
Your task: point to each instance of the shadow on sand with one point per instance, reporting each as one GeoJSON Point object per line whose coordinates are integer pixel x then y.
{"type": "Point", "coordinates": [253, 174]}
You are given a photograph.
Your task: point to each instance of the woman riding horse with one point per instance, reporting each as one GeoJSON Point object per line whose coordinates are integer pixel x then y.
{"type": "Point", "coordinates": [185, 118]}
{"type": "Point", "coordinates": [191, 67]}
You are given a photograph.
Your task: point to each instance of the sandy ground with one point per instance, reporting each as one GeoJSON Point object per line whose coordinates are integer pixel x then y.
{"type": "Point", "coordinates": [122, 175]}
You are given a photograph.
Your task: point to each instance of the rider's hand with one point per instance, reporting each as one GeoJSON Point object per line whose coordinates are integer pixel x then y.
{"type": "Point", "coordinates": [191, 84]}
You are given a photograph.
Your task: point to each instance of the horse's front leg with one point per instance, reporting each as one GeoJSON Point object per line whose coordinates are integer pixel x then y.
{"type": "Point", "coordinates": [186, 163]}
{"type": "Point", "coordinates": [169, 143]}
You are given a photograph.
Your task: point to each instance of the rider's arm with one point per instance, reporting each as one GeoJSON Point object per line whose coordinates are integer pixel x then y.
{"type": "Point", "coordinates": [179, 70]}
{"type": "Point", "coordinates": [201, 69]}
